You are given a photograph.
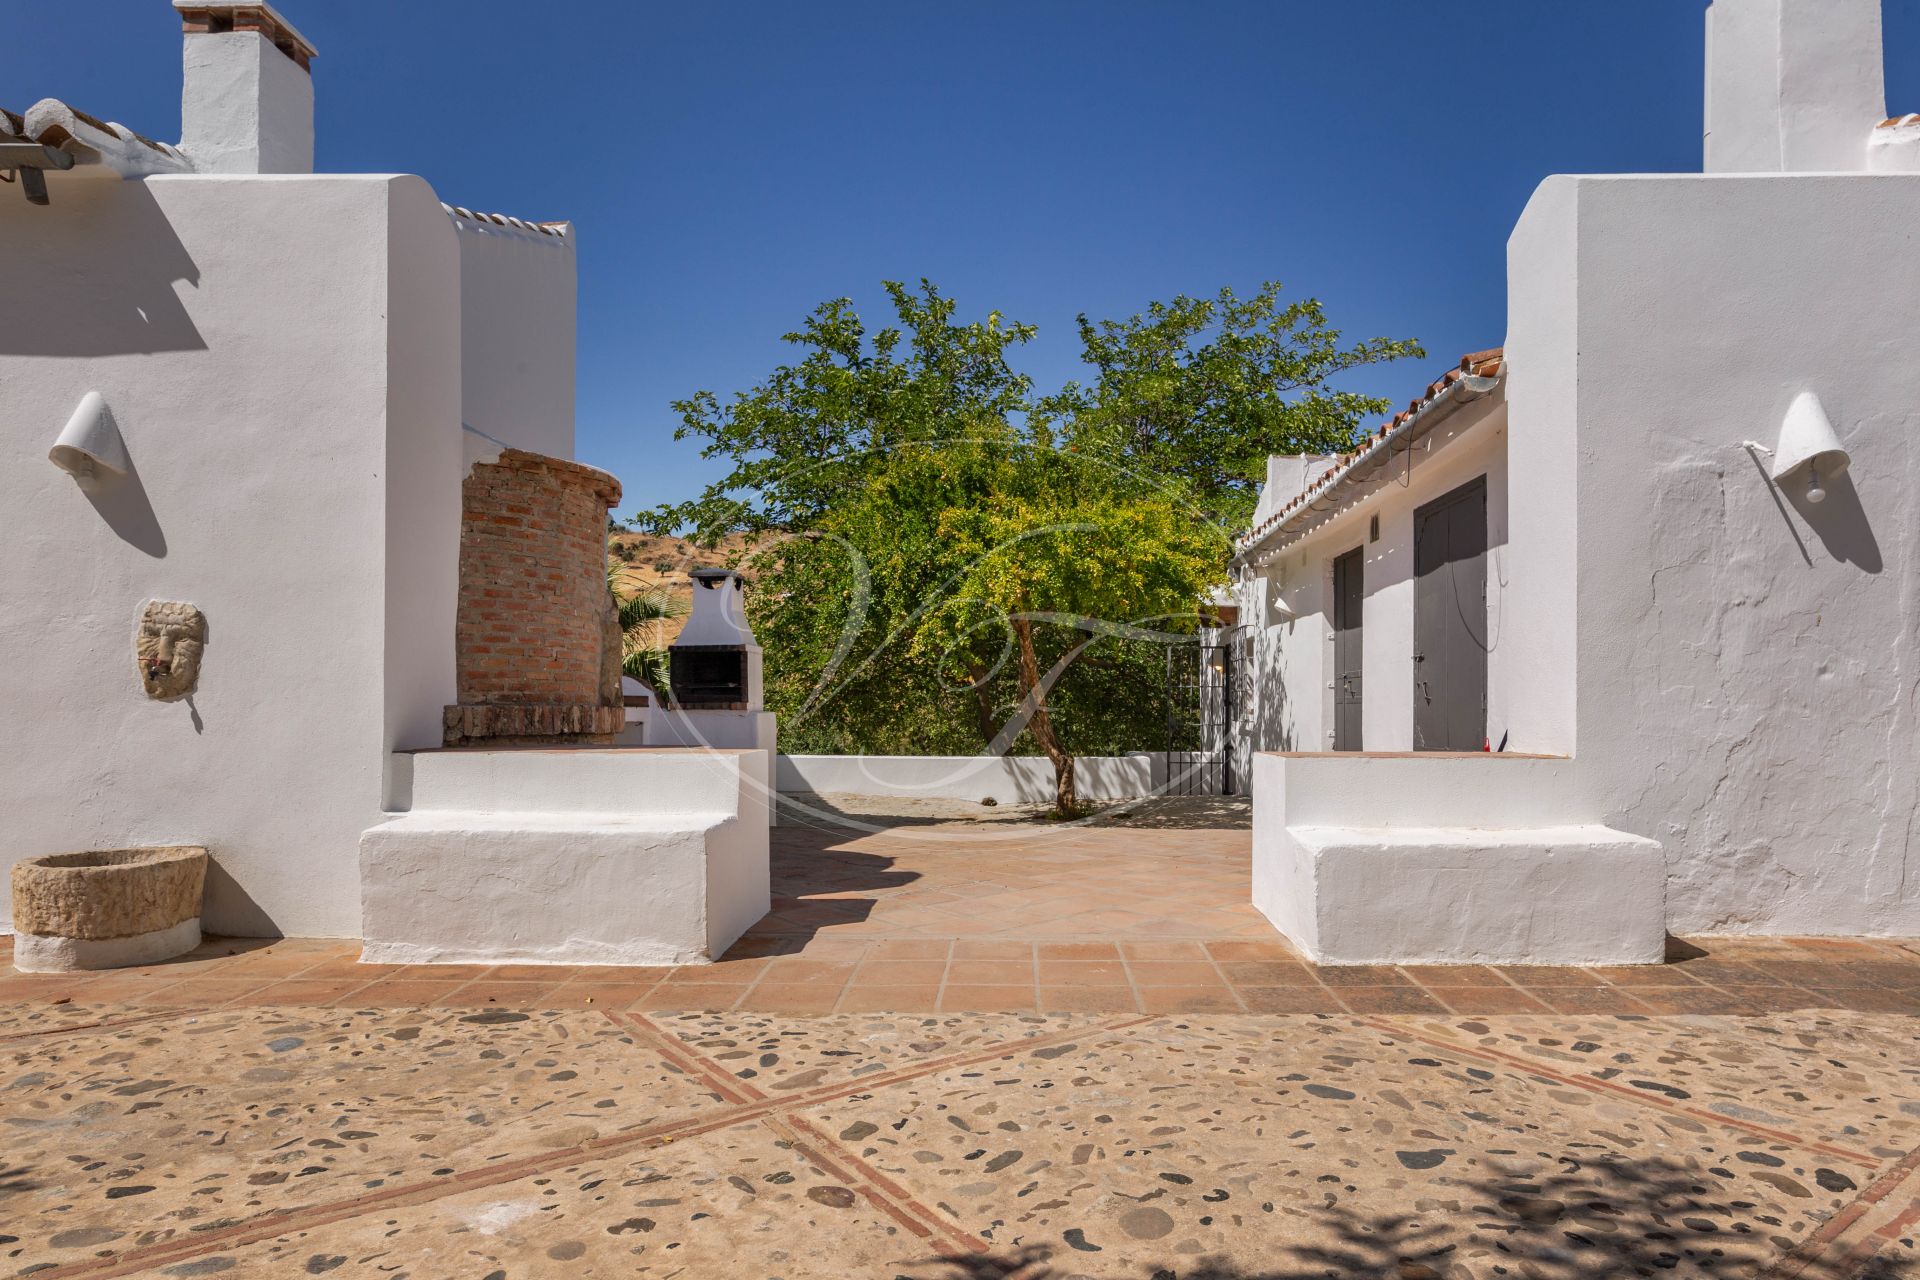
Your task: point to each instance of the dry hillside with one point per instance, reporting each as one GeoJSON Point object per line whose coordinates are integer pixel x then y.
{"type": "Point", "coordinates": [666, 561]}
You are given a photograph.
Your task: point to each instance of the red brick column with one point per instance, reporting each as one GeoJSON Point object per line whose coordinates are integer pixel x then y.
{"type": "Point", "coordinates": [535, 633]}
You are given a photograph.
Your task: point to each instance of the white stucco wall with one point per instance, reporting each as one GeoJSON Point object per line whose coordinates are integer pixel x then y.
{"type": "Point", "coordinates": [276, 350]}
{"type": "Point", "coordinates": [517, 306]}
{"type": "Point", "coordinates": [1293, 697]}
{"type": "Point", "coordinates": [1743, 689]}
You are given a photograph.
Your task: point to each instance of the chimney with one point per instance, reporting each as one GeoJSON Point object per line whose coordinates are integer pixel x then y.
{"type": "Point", "coordinates": [246, 103]}
{"type": "Point", "coordinates": [1793, 86]}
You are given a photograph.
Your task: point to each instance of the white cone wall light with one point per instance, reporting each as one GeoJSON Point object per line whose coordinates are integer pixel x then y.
{"type": "Point", "coordinates": [1809, 446]}
{"type": "Point", "coordinates": [90, 444]}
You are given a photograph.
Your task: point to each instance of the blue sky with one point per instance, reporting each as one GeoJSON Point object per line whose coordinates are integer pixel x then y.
{"type": "Point", "coordinates": [731, 165]}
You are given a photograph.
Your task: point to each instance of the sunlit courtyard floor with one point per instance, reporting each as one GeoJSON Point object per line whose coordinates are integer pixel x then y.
{"type": "Point", "coordinates": [969, 1051]}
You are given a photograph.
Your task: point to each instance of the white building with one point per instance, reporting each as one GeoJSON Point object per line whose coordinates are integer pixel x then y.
{"type": "Point", "coordinates": [299, 372]}
{"type": "Point", "coordinates": [1609, 550]}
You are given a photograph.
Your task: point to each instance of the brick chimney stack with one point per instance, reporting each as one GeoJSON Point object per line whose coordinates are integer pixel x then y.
{"type": "Point", "coordinates": [1793, 86]}
{"type": "Point", "coordinates": [246, 102]}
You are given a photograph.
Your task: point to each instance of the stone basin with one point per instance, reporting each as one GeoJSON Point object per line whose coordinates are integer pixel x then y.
{"type": "Point", "coordinates": [107, 908]}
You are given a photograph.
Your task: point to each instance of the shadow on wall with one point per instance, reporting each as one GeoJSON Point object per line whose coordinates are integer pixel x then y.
{"type": "Point", "coordinates": [229, 909]}
{"type": "Point", "coordinates": [121, 501]}
{"type": "Point", "coordinates": [98, 278]}
{"type": "Point", "coordinates": [1841, 523]}
{"type": "Point", "coordinates": [1594, 1219]}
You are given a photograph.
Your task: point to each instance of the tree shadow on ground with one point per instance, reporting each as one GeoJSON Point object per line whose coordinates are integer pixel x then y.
{"type": "Point", "coordinates": [1181, 813]}
{"type": "Point", "coordinates": [1592, 1220]}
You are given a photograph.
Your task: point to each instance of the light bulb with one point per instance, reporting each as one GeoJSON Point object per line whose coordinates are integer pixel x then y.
{"type": "Point", "coordinates": [1814, 492]}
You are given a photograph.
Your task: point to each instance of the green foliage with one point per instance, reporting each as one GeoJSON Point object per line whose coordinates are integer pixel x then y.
{"type": "Point", "coordinates": [966, 566]}
{"type": "Point", "coordinates": [1207, 388]}
{"type": "Point", "coordinates": [642, 607]}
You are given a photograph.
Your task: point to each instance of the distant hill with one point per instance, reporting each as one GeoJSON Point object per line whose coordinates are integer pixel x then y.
{"type": "Point", "coordinates": [666, 561]}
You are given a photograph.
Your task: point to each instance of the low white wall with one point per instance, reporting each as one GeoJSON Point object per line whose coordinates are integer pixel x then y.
{"type": "Point", "coordinates": [1002, 779]}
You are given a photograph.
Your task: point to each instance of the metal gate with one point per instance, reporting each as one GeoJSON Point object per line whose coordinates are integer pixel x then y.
{"type": "Point", "coordinates": [1203, 706]}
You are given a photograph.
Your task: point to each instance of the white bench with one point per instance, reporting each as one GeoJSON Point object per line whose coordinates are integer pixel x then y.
{"type": "Point", "coordinates": [582, 855]}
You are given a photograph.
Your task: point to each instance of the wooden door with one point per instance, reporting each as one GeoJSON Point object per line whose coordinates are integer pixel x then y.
{"type": "Point", "coordinates": [1450, 621]}
{"type": "Point", "coordinates": [1349, 595]}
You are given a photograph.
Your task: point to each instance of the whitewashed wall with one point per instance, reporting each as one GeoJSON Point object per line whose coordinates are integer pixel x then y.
{"type": "Point", "coordinates": [1733, 669]}
{"type": "Point", "coordinates": [276, 350]}
{"type": "Point", "coordinates": [517, 305]}
{"type": "Point", "coordinates": [1004, 779]}
{"type": "Point", "coordinates": [1294, 703]}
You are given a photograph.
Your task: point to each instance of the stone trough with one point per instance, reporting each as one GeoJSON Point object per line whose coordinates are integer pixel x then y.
{"type": "Point", "coordinates": [107, 908]}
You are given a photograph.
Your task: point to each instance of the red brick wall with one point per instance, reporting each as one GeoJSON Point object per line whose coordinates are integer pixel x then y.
{"type": "Point", "coordinates": [533, 582]}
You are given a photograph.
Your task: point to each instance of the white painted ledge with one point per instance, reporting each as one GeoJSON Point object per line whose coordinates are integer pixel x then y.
{"type": "Point", "coordinates": [1449, 859]}
{"type": "Point", "coordinates": [1543, 895]}
{"type": "Point", "coordinates": [567, 856]}
{"type": "Point", "coordinates": [42, 953]}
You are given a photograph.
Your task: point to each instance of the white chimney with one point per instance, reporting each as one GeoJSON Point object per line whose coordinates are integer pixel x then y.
{"type": "Point", "coordinates": [246, 104]}
{"type": "Point", "coordinates": [1793, 86]}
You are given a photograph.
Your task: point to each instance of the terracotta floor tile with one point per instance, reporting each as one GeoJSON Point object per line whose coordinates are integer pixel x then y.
{"type": "Point", "coordinates": [1697, 999]}
{"type": "Point", "coordinates": [989, 998]}
{"type": "Point", "coordinates": [308, 991]}
{"type": "Point", "coordinates": [1088, 999]}
{"type": "Point", "coordinates": [1362, 975]}
{"type": "Point", "coordinates": [506, 995]}
{"type": "Point", "coordinates": [1548, 975]}
{"type": "Point", "coordinates": [1407, 999]}
{"type": "Point", "coordinates": [901, 998]}
{"type": "Point", "coordinates": [1870, 1000]}
{"type": "Point", "coordinates": [605, 996]}
{"type": "Point", "coordinates": [1591, 999]}
{"type": "Point", "coordinates": [791, 997]}
{"type": "Point", "coordinates": [900, 973]}
{"type": "Point", "coordinates": [442, 972]}
{"type": "Point", "coordinates": [713, 999]}
{"type": "Point", "coordinates": [209, 992]}
{"type": "Point", "coordinates": [1269, 973]}
{"type": "Point", "coordinates": [1504, 998]}
{"type": "Point", "coordinates": [912, 949]}
{"type": "Point", "coordinates": [1808, 973]}
{"type": "Point", "coordinates": [1296, 999]}
{"type": "Point", "coordinates": [1727, 973]}
{"type": "Point", "coordinates": [1079, 951]}
{"type": "Point", "coordinates": [1643, 975]}
{"type": "Point", "coordinates": [977, 973]}
{"type": "Point", "coordinates": [351, 967]}
{"type": "Point", "coordinates": [1252, 950]}
{"type": "Point", "coordinates": [1084, 973]}
{"type": "Point", "coordinates": [789, 970]}
{"type": "Point", "coordinates": [550, 974]}
{"type": "Point", "coordinates": [1163, 950]}
{"type": "Point", "coordinates": [1454, 975]}
{"type": "Point", "coordinates": [401, 993]}
{"type": "Point", "coordinates": [992, 949]}
{"type": "Point", "coordinates": [1215, 999]}
{"type": "Point", "coordinates": [1173, 973]}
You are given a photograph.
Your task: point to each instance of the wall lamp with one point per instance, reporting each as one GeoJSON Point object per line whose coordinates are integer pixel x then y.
{"type": "Point", "coordinates": [1808, 443]}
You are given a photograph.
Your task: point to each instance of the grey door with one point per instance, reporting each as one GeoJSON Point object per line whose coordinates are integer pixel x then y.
{"type": "Point", "coordinates": [1349, 590]}
{"type": "Point", "coordinates": [1450, 621]}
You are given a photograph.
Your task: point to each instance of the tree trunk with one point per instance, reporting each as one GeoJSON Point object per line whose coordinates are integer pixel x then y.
{"type": "Point", "coordinates": [983, 706]}
{"type": "Point", "coordinates": [1065, 801]}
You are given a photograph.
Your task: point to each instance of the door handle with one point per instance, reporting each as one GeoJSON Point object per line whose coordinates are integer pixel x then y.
{"type": "Point", "coordinates": [1425, 692]}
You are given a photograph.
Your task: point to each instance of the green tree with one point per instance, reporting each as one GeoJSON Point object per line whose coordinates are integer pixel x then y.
{"type": "Point", "coordinates": [964, 566]}
{"type": "Point", "coordinates": [1206, 388]}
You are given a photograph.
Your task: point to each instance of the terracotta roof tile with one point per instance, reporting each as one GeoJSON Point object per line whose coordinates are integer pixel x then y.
{"type": "Point", "coordinates": [557, 229]}
{"type": "Point", "coordinates": [1479, 364]}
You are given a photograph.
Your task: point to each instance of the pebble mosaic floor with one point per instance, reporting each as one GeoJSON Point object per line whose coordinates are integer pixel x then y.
{"type": "Point", "coordinates": [986, 1057]}
{"type": "Point", "coordinates": [504, 1144]}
